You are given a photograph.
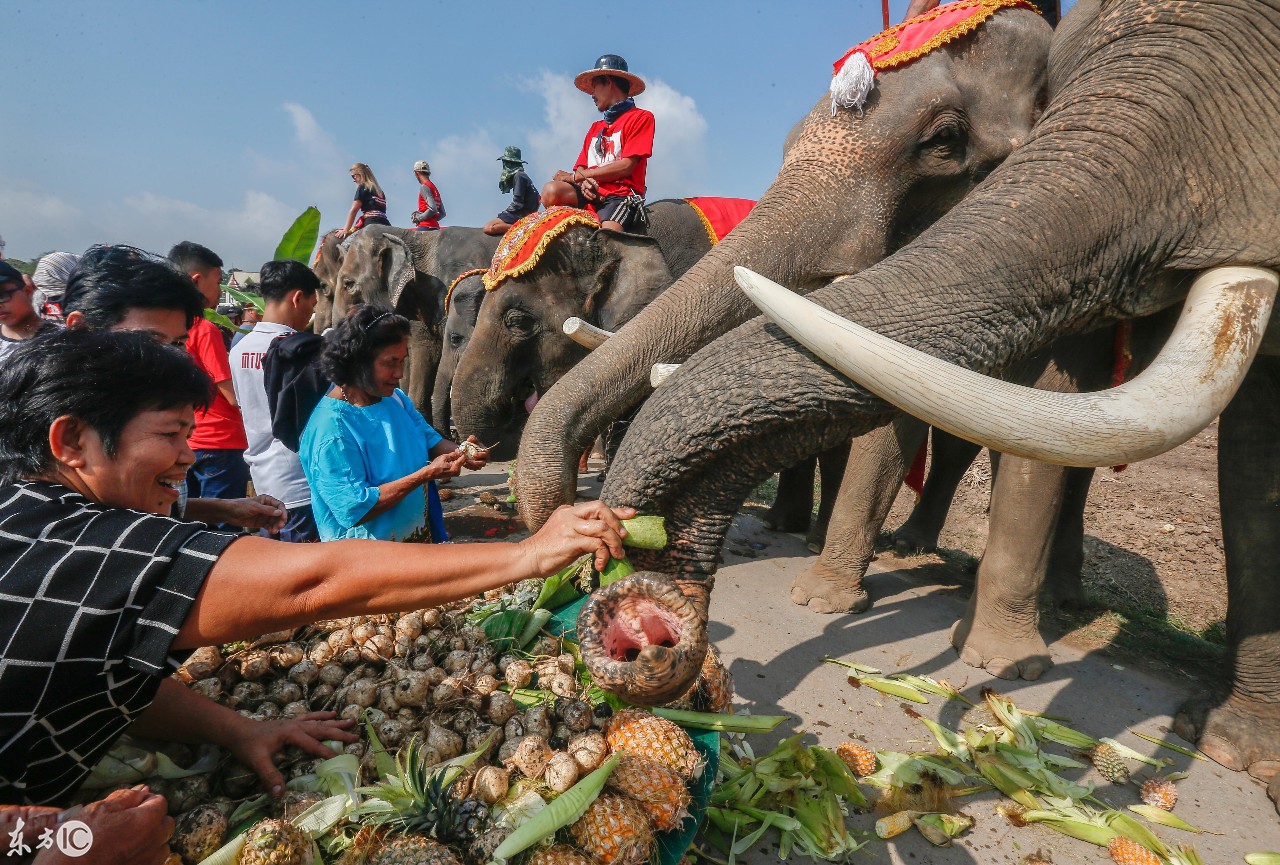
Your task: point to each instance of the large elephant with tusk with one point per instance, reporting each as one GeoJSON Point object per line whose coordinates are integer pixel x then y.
{"type": "Point", "coordinates": [853, 187]}
{"type": "Point", "coordinates": [1150, 181]}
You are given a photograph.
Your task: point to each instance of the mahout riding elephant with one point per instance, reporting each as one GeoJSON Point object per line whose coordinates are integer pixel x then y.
{"type": "Point", "coordinates": [852, 188]}
{"type": "Point", "coordinates": [518, 348]}
{"type": "Point", "coordinates": [1153, 162]}
{"type": "Point", "coordinates": [410, 271]}
{"type": "Point", "coordinates": [461, 309]}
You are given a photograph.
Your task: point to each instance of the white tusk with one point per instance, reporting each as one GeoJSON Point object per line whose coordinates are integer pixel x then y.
{"type": "Point", "coordinates": [661, 372]}
{"type": "Point", "coordinates": [1185, 388]}
{"type": "Point", "coordinates": [584, 333]}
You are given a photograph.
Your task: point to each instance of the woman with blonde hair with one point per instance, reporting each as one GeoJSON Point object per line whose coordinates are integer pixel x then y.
{"type": "Point", "coordinates": [370, 201]}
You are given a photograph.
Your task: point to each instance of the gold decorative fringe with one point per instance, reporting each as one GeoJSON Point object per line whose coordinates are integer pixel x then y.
{"type": "Point", "coordinates": [522, 233]}
{"type": "Point", "coordinates": [706, 223]}
{"type": "Point", "coordinates": [457, 279]}
{"type": "Point", "coordinates": [968, 25]}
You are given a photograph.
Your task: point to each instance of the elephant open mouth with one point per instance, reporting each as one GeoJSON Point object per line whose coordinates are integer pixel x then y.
{"type": "Point", "coordinates": [642, 639]}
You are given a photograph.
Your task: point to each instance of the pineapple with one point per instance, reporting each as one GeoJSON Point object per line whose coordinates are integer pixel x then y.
{"type": "Point", "coordinates": [1159, 792]}
{"type": "Point", "coordinates": [276, 842]}
{"type": "Point", "coordinates": [660, 790]}
{"type": "Point", "coordinates": [860, 759]}
{"type": "Point", "coordinates": [198, 832]}
{"type": "Point", "coordinates": [1126, 852]}
{"type": "Point", "coordinates": [412, 850]}
{"type": "Point", "coordinates": [1109, 763]}
{"type": "Point", "coordinates": [560, 854]}
{"type": "Point", "coordinates": [712, 691]}
{"type": "Point", "coordinates": [641, 734]}
{"type": "Point", "coordinates": [615, 831]}
{"type": "Point", "coordinates": [462, 821]}
{"type": "Point", "coordinates": [481, 850]}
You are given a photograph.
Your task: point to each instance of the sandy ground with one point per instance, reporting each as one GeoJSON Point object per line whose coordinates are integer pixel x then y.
{"type": "Point", "coordinates": [1153, 545]}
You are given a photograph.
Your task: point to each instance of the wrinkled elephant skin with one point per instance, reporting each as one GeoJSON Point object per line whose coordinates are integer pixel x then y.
{"type": "Point", "coordinates": [1147, 96]}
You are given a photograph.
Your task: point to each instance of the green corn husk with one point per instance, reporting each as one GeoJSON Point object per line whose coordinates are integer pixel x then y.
{"type": "Point", "coordinates": [1012, 782]}
{"type": "Point", "coordinates": [1054, 732]}
{"type": "Point", "coordinates": [616, 570]}
{"type": "Point", "coordinates": [567, 808]}
{"type": "Point", "coordinates": [1164, 818]}
{"type": "Point", "coordinates": [838, 778]}
{"type": "Point", "coordinates": [721, 722]}
{"type": "Point", "coordinates": [1126, 751]}
{"type": "Point", "coordinates": [1074, 827]}
{"type": "Point", "coordinates": [1172, 747]}
{"type": "Point", "coordinates": [860, 669]}
{"type": "Point", "coordinates": [559, 588]}
{"type": "Point", "coordinates": [939, 829]}
{"type": "Point", "coordinates": [1262, 858]}
{"type": "Point", "coordinates": [647, 532]}
{"type": "Point", "coordinates": [948, 740]}
{"type": "Point", "coordinates": [1135, 831]}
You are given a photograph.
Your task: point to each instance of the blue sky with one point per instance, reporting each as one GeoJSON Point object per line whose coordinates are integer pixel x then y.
{"type": "Point", "coordinates": [154, 122]}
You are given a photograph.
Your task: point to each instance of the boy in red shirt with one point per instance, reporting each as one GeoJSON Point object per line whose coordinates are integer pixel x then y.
{"type": "Point", "coordinates": [610, 171]}
{"type": "Point", "coordinates": [218, 440]}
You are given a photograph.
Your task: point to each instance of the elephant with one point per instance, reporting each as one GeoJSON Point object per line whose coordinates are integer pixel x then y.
{"type": "Point", "coordinates": [461, 310]}
{"type": "Point", "coordinates": [1149, 181]}
{"type": "Point", "coordinates": [851, 189]}
{"type": "Point", "coordinates": [518, 348]}
{"type": "Point", "coordinates": [410, 271]}
{"type": "Point", "coordinates": [327, 263]}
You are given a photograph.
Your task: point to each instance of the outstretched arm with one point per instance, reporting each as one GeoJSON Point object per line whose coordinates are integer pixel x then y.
{"type": "Point", "coordinates": [293, 584]}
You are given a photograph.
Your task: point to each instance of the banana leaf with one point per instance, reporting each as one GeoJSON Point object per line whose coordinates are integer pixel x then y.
{"type": "Point", "coordinates": [301, 237]}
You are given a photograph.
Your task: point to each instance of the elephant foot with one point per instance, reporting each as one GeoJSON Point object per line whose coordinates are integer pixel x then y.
{"type": "Point", "coordinates": [816, 540]}
{"type": "Point", "coordinates": [1065, 590]}
{"type": "Point", "coordinates": [825, 590]}
{"type": "Point", "coordinates": [1241, 735]}
{"type": "Point", "coordinates": [910, 540]}
{"type": "Point", "coordinates": [785, 520]}
{"type": "Point", "coordinates": [1004, 649]}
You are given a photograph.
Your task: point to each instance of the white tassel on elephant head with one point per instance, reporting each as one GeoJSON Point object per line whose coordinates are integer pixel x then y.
{"type": "Point", "coordinates": [852, 83]}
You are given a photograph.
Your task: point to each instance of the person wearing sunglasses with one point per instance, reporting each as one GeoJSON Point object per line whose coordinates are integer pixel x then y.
{"type": "Point", "coordinates": [19, 320]}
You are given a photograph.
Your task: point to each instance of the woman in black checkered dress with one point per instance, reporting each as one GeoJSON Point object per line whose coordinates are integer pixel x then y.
{"type": "Point", "coordinates": [102, 594]}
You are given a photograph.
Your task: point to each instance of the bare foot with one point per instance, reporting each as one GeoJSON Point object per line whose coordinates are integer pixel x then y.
{"type": "Point", "coordinates": [1007, 649]}
{"type": "Point", "coordinates": [825, 590]}
{"type": "Point", "coordinates": [1241, 735]}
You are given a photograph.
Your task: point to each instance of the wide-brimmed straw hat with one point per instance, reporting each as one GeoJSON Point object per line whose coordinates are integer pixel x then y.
{"type": "Point", "coordinates": [609, 64]}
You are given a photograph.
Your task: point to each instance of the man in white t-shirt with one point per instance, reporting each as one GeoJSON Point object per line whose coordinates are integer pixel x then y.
{"type": "Point", "coordinates": [289, 292]}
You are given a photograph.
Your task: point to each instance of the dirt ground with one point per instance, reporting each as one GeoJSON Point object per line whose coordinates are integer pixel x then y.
{"type": "Point", "coordinates": [1153, 554]}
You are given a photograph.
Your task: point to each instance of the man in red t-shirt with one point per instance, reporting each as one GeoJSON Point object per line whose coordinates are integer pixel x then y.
{"type": "Point", "coordinates": [218, 440]}
{"type": "Point", "coordinates": [609, 173]}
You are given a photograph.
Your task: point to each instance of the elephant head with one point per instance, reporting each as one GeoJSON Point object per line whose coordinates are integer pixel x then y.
{"type": "Point", "coordinates": [328, 262]}
{"type": "Point", "coordinates": [461, 310]}
{"type": "Point", "coordinates": [853, 187]}
{"type": "Point", "coordinates": [518, 347]}
{"type": "Point", "coordinates": [378, 264]}
{"type": "Point", "coordinates": [1143, 172]}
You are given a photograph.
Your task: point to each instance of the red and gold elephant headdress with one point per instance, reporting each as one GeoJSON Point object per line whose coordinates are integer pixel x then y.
{"type": "Point", "coordinates": [854, 74]}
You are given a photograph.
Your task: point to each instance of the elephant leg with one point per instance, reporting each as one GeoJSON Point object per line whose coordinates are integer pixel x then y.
{"type": "Point", "coordinates": [794, 503]}
{"type": "Point", "coordinates": [1066, 560]}
{"type": "Point", "coordinates": [831, 466]}
{"type": "Point", "coordinates": [877, 463]}
{"type": "Point", "coordinates": [951, 459]}
{"type": "Point", "coordinates": [1239, 726]}
{"type": "Point", "coordinates": [1000, 630]}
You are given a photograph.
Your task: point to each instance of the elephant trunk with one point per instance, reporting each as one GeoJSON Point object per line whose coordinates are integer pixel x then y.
{"type": "Point", "coordinates": [614, 378]}
{"type": "Point", "coordinates": [440, 408]}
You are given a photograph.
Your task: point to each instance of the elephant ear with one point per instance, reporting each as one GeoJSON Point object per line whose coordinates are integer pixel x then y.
{"type": "Point", "coordinates": [397, 267]}
{"type": "Point", "coordinates": [633, 272]}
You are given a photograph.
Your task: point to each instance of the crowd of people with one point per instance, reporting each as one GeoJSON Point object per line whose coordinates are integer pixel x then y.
{"type": "Point", "coordinates": [164, 487]}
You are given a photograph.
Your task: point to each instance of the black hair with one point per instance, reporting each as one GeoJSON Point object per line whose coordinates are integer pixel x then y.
{"type": "Point", "coordinates": [103, 378]}
{"type": "Point", "coordinates": [190, 256]}
{"type": "Point", "coordinates": [110, 281]}
{"type": "Point", "coordinates": [278, 278]}
{"type": "Point", "coordinates": [623, 84]}
{"type": "Point", "coordinates": [351, 346]}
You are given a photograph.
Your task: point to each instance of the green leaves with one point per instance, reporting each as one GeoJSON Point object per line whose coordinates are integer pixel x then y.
{"type": "Point", "coordinates": [300, 239]}
{"type": "Point", "coordinates": [720, 722]}
{"type": "Point", "coordinates": [567, 808]}
{"type": "Point", "coordinates": [646, 532]}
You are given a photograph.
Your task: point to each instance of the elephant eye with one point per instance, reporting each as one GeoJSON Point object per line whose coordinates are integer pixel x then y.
{"type": "Point", "coordinates": [519, 322]}
{"type": "Point", "coordinates": [946, 138]}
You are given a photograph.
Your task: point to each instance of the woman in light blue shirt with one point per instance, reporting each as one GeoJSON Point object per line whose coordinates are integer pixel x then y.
{"type": "Point", "coordinates": [366, 451]}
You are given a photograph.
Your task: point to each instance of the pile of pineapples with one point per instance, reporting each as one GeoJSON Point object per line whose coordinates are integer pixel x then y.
{"type": "Point", "coordinates": [459, 744]}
